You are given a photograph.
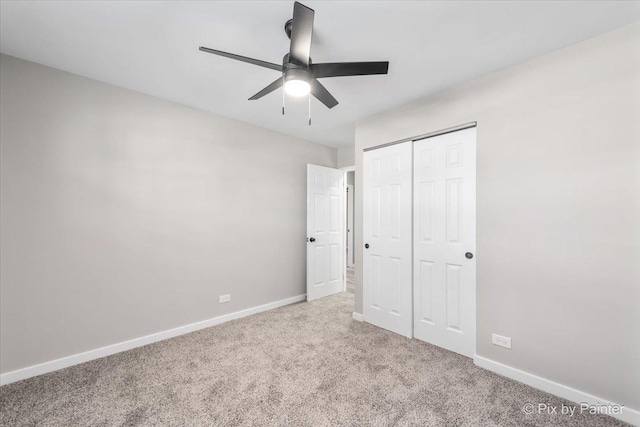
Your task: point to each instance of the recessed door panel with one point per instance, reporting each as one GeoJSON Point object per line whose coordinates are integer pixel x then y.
{"type": "Point", "coordinates": [426, 160]}
{"type": "Point", "coordinates": [318, 261]}
{"type": "Point", "coordinates": [374, 278]}
{"type": "Point", "coordinates": [454, 209]}
{"type": "Point", "coordinates": [334, 262]}
{"type": "Point", "coordinates": [426, 211]}
{"type": "Point", "coordinates": [453, 292]}
{"type": "Point", "coordinates": [318, 208]}
{"type": "Point", "coordinates": [394, 279]}
{"type": "Point", "coordinates": [395, 210]}
{"type": "Point", "coordinates": [375, 210]}
{"type": "Point", "coordinates": [423, 293]}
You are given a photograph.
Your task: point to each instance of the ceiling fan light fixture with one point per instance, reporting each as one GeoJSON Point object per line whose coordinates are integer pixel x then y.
{"type": "Point", "coordinates": [297, 88]}
{"type": "Point", "coordinates": [297, 82]}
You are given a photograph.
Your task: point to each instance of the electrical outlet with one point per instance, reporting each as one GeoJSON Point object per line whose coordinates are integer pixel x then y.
{"type": "Point", "coordinates": [501, 341]}
{"type": "Point", "coordinates": [225, 298]}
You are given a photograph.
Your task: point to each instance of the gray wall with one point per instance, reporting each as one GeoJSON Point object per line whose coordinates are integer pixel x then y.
{"type": "Point", "coordinates": [558, 199]}
{"type": "Point", "coordinates": [123, 215]}
{"type": "Point", "coordinates": [346, 156]}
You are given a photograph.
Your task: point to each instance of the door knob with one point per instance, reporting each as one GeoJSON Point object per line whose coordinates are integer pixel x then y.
{"type": "Point", "coordinates": [313, 239]}
{"type": "Point", "coordinates": [366, 245]}
{"type": "Point", "coordinates": [468, 255]}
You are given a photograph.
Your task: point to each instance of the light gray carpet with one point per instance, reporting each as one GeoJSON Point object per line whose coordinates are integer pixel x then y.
{"type": "Point", "coordinates": [308, 364]}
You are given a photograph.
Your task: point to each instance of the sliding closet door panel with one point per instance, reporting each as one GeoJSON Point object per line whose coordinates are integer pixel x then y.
{"type": "Point", "coordinates": [387, 233]}
{"type": "Point", "coordinates": [444, 263]}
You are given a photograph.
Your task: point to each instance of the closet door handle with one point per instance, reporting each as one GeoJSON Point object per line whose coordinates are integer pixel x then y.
{"type": "Point", "coordinates": [468, 255]}
{"type": "Point", "coordinates": [366, 246]}
{"type": "Point", "coordinates": [313, 239]}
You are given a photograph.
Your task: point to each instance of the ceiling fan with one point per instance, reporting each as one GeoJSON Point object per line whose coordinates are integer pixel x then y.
{"type": "Point", "coordinates": [299, 75]}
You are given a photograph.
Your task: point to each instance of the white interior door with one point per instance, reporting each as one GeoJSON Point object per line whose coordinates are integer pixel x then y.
{"type": "Point", "coordinates": [325, 231]}
{"type": "Point", "coordinates": [350, 226]}
{"type": "Point", "coordinates": [445, 240]}
{"type": "Point", "coordinates": [387, 238]}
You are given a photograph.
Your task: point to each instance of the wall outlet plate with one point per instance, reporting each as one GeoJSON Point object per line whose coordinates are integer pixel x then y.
{"type": "Point", "coordinates": [501, 341]}
{"type": "Point", "coordinates": [225, 298]}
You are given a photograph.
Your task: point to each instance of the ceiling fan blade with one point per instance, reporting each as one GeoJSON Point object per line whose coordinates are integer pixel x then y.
{"type": "Point", "coordinates": [273, 86]}
{"type": "Point", "coordinates": [323, 94]}
{"type": "Point", "coordinates": [301, 32]}
{"type": "Point", "coordinates": [243, 59]}
{"type": "Point", "coordinates": [339, 69]}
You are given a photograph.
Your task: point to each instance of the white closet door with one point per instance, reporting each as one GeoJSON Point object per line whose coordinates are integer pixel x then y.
{"type": "Point", "coordinates": [387, 233]}
{"type": "Point", "coordinates": [444, 264]}
{"type": "Point", "coordinates": [325, 231]}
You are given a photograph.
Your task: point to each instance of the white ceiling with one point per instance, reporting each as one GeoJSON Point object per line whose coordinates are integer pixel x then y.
{"type": "Point", "coordinates": [152, 47]}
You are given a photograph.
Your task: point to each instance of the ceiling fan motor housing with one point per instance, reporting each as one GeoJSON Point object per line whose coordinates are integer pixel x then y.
{"type": "Point", "coordinates": [297, 74]}
{"type": "Point", "coordinates": [287, 27]}
{"type": "Point", "coordinates": [293, 71]}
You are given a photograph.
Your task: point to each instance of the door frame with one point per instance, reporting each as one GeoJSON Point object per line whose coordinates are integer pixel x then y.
{"type": "Point", "coordinates": [349, 188]}
{"type": "Point", "coordinates": [344, 214]}
{"type": "Point", "coordinates": [413, 139]}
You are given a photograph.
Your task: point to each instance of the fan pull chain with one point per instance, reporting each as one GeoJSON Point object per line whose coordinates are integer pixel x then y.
{"type": "Point", "coordinates": [283, 94]}
{"type": "Point", "coordinates": [309, 108]}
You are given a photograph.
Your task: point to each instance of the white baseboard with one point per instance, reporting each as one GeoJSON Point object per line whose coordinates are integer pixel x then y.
{"type": "Point", "coordinates": [75, 359]}
{"type": "Point", "coordinates": [357, 316]}
{"type": "Point", "coordinates": [629, 415]}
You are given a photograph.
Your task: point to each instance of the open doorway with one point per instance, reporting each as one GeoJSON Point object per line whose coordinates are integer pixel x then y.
{"type": "Point", "coordinates": [349, 224]}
